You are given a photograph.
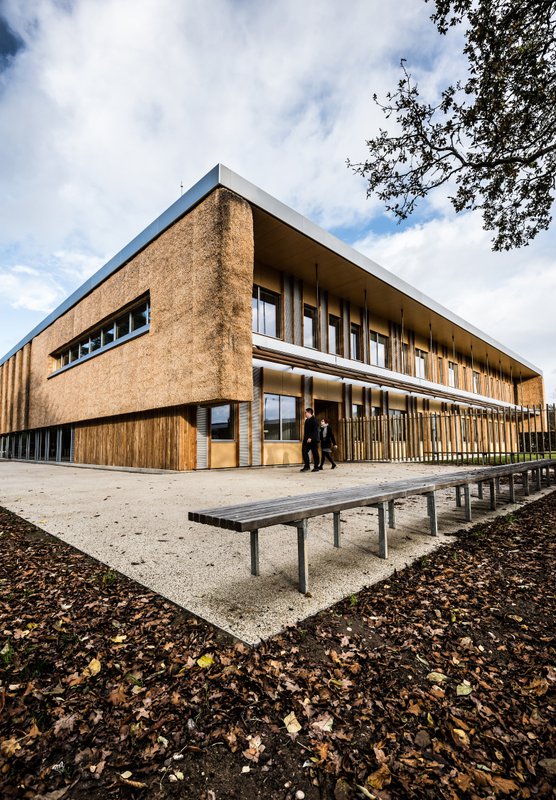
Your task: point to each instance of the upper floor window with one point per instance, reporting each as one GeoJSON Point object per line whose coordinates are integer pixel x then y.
{"type": "Point", "coordinates": [309, 326]}
{"type": "Point", "coordinates": [405, 358]}
{"type": "Point", "coordinates": [379, 349]}
{"type": "Point", "coordinates": [477, 382]}
{"type": "Point", "coordinates": [265, 306]}
{"type": "Point", "coordinates": [420, 363]}
{"type": "Point", "coordinates": [452, 374]}
{"type": "Point", "coordinates": [355, 341]}
{"type": "Point", "coordinates": [135, 320]}
{"type": "Point", "coordinates": [222, 426]}
{"type": "Point", "coordinates": [356, 410]}
{"type": "Point", "coordinates": [334, 335]}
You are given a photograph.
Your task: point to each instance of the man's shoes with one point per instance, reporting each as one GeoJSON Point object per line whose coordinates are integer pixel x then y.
{"type": "Point", "coordinates": [334, 466]}
{"type": "Point", "coordinates": [316, 469]}
{"type": "Point", "coordinates": [305, 469]}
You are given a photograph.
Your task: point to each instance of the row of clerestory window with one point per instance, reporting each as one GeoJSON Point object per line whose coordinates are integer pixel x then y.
{"type": "Point", "coordinates": [123, 326]}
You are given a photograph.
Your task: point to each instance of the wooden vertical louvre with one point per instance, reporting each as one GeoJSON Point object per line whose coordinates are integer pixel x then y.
{"type": "Point", "coordinates": [152, 439]}
{"type": "Point", "coordinates": [465, 437]}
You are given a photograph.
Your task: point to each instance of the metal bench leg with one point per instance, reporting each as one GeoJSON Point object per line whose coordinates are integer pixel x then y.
{"type": "Point", "coordinates": [458, 496]}
{"type": "Point", "coordinates": [512, 488]}
{"type": "Point", "coordinates": [337, 530]}
{"type": "Point", "coordinates": [538, 480]}
{"type": "Point", "coordinates": [382, 532]}
{"type": "Point", "coordinates": [497, 485]}
{"type": "Point", "coordinates": [432, 512]}
{"type": "Point", "coordinates": [303, 563]}
{"type": "Point", "coordinates": [391, 514]}
{"type": "Point", "coordinates": [492, 489]}
{"type": "Point", "coordinates": [480, 490]}
{"type": "Point", "coordinates": [525, 482]}
{"type": "Point", "coordinates": [255, 553]}
{"type": "Point", "coordinates": [467, 499]}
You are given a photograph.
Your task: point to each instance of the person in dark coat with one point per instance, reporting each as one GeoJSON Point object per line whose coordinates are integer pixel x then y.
{"type": "Point", "coordinates": [310, 441]}
{"type": "Point", "coordinates": [327, 443]}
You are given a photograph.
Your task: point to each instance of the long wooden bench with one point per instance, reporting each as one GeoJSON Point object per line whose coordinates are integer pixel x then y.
{"type": "Point", "coordinates": [296, 511]}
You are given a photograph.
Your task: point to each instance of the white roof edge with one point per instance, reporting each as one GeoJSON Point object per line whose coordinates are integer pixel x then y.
{"type": "Point", "coordinates": [221, 175]}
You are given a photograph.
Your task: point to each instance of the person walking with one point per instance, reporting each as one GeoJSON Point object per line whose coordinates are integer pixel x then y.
{"type": "Point", "coordinates": [310, 441]}
{"type": "Point", "coordinates": [327, 443]}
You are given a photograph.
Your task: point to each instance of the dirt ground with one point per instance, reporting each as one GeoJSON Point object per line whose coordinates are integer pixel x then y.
{"type": "Point", "coordinates": [437, 682]}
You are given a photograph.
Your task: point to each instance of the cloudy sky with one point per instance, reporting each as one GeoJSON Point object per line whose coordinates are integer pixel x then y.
{"type": "Point", "coordinates": [107, 106]}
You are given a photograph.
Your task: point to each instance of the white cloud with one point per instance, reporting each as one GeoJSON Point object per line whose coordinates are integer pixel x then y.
{"type": "Point", "coordinates": [113, 103]}
{"type": "Point", "coordinates": [507, 295]}
{"type": "Point", "coordinates": [22, 287]}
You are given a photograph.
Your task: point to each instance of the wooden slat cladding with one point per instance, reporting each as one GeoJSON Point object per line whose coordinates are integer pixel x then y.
{"type": "Point", "coordinates": [161, 439]}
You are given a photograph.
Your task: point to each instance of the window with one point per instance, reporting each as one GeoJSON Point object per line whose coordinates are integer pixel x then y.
{"type": "Point", "coordinates": [356, 410]}
{"type": "Point", "coordinates": [355, 341]}
{"type": "Point", "coordinates": [379, 349]}
{"type": "Point", "coordinates": [280, 418]}
{"type": "Point", "coordinates": [95, 342]}
{"type": "Point", "coordinates": [125, 325]}
{"type": "Point", "coordinates": [222, 423]}
{"type": "Point", "coordinates": [405, 358]}
{"type": "Point", "coordinates": [420, 363]}
{"type": "Point", "coordinates": [309, 326]}
{"type": "Point", "coordinates": [108, 335]}
{"type": "Point", "coordinates": [122, 326]}
{"type": "Point", "coordinates": [334, 335]}
{"type": "Point", "coordinates": [265, 307]}
{"type": "Point", "coordinates": [397, 425]}
{"type": "Point", "coordinates": [452, 374]}
{"type": "Point", "coordinates": [477, 382]}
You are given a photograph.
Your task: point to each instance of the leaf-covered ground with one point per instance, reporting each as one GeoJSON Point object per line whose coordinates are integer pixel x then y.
{"type": "Point", "coordinates": [438, 683]}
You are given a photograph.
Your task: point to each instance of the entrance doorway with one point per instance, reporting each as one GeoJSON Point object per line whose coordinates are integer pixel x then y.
{"type": "Point", "coordinates": [330, 410]}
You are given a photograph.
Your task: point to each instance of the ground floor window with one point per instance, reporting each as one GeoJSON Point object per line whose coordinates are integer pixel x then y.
{"type": "Point", "coordinates": [47, 444]}
{"type": "Point", "coordinates": [222, 426]}
{"type": "Point", "coordinates": [397, 425]}
{"type": "Point", "coordinates": [281, 413]}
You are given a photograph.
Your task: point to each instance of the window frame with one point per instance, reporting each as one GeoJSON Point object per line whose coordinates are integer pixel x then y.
{"type": "Point", "coordinates": [374, 343]}
{"type": "Point", "coordinates": [231, 423]}
{"type": "Point", "coordinates": [421, 360]}
{"type": "Point", "coordinates": [259, 290]}
{"type": "Point", "coordinates": [355, 330]}
{"type": "Point", "coordinates": [337, 327]}
{"type": "Point", "coordinates": [311, 312]}
{"type": "Point", "coordinates": [81, 349]}
{"type": "Point", "coordinates": [297, 402]}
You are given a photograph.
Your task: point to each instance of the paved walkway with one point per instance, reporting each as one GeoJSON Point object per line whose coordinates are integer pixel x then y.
{"type": "Point", "coordinates": [137, 523]}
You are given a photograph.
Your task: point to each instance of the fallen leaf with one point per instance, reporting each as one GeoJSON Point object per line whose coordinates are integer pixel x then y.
{"type": "Point", "coordinates": [92, 669]}
{"type": "Point", "coordinates": [323, 723]}
{"type": "Point", "coordinates": [437, 677]}
{"type": "Point", "coordinates": [380, 778]}
{"type": "Point", "coordinates": [65, 724]}
{"type": "Point", "coordinates": [205, 661]}
{"type": "Point", "coordinates": [292, 723]}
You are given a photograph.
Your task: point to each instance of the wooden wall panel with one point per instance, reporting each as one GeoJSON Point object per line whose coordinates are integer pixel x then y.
{"type": "Point", "coordinates": [158, 439]}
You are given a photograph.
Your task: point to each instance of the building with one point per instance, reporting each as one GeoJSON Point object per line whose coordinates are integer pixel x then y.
{"type": "Point", "coordinates": [202, 341]}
